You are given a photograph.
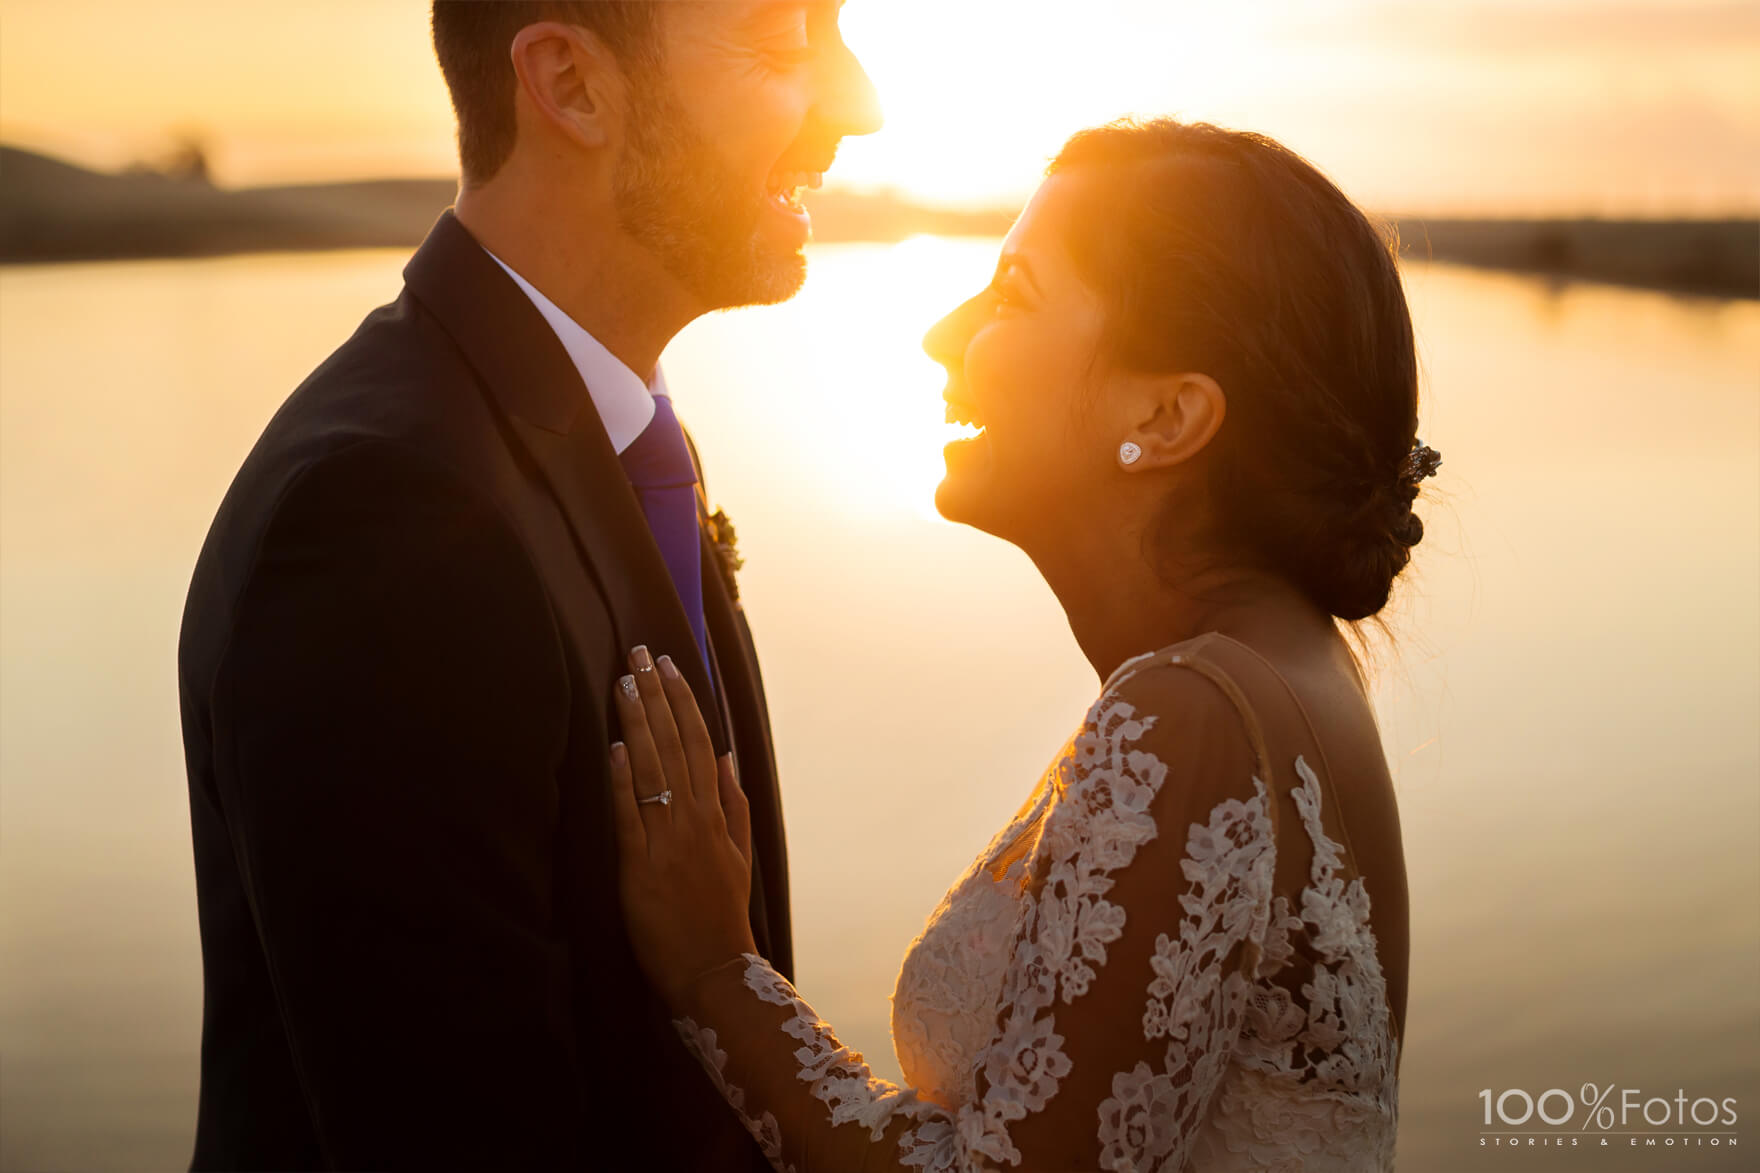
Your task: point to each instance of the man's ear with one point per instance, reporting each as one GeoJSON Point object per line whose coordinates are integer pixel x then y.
{"type": "Point", "coordinates": [1175, 416]}
{"type": "Point", "coordinates": [570, 80]}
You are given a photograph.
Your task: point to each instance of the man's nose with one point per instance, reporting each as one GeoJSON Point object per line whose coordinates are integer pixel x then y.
{"type": "Point", "coordinates": [848, 102]}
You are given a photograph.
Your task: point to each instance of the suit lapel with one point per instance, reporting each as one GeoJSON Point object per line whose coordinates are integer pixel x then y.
{"type": "Point", "coordinates": [525, 369]}
{"type": "Point", "coordinates": [742, 692]}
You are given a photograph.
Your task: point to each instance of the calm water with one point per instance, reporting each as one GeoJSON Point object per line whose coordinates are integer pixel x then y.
{"type": "Point", "coordinates": [1572, 714]}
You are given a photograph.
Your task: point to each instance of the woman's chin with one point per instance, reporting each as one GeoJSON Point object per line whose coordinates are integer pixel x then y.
{"type": "Point", "coordinates": [960, 494]}
{"type": "Point", "coordinates": [949, 503]}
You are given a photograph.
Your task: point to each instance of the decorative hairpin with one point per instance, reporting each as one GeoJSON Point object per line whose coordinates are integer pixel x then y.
{"type": "Point", "coordinates": [1422, 461]}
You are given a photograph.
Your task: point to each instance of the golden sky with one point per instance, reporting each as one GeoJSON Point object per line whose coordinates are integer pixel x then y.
{"type": "Point", "coordinates": [1647, 107]}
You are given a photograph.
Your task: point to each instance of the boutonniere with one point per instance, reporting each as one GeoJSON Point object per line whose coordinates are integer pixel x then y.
{"type": "Point", "coordinates": [727, 546]}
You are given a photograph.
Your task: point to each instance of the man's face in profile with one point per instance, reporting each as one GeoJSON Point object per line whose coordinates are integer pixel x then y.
{"type": "Point", "coordinates": [746, 108]}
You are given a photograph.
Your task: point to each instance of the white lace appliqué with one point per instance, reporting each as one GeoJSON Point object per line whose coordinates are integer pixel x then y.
{"type": "Point", "coordinates": [1101, 819]}
{"type": "Point", "coordinates": [701, 1043]}
{"type": "Point", "coordinates": [1196, 1000]}
{"type": "Point", "coordinates": [944, 1002]}
{"type": "Point", "coordinates": [1315, 1087]}
{"type": "Point", "coordinates": [1229, 1070]}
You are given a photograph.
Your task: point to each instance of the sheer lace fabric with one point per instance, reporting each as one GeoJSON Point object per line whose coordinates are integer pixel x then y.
{"type": "Point", "coordinates": [1123, 980]}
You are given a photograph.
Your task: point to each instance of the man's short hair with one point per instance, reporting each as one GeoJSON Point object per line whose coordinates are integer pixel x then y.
{"type": "Point", "coordinates": [472, 38]}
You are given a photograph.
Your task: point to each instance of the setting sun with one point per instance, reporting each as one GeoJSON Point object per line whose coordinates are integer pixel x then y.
{"type": "Point", "coordinates": [1557, 107]}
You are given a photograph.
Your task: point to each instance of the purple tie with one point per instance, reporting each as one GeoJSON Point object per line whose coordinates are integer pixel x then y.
{"type": "Point", "coordinates": [658, 464]}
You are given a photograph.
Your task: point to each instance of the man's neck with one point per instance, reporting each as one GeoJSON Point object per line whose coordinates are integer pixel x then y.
{"type": "Point", "coordinates": [611, 287]}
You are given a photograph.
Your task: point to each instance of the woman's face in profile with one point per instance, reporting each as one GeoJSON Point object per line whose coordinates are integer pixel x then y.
{"type": "Point", "coordinates": [1021, 359]}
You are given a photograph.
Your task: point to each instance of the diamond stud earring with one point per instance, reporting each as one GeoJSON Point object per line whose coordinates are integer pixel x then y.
{"type": "Point", "coordinates": [1128, 452]}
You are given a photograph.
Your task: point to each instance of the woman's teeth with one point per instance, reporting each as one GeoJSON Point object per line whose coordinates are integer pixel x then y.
{"type": "Point", "coordinates": [966, 418]}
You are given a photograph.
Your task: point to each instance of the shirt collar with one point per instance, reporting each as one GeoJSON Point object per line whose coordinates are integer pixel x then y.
{"type": "Point", "coordinates": [624, 403]}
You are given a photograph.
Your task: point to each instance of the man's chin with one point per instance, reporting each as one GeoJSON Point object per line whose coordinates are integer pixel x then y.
{"type": "Point", "coordinates": [767, 281]}
{"type": "Point", "coordinates": [784, 281]}
{"type": "Point", "coordinates": [724, 259]}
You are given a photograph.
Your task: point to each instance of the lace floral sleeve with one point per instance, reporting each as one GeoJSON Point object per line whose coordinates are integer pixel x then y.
{"type": "Point", "coordinates": [1148, 912]}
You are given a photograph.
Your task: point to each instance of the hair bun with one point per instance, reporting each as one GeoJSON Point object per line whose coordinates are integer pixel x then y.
{"type": "Point", "coordinates": [1408, 531]}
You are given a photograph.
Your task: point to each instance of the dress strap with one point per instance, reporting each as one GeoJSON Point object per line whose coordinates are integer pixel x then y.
{"type": "Point", "coordinates": [1189, 655]}
{"type": "Point", "coordinates": [1325, 772]}
{"type": "Point", "coordinates": [1231, 664]}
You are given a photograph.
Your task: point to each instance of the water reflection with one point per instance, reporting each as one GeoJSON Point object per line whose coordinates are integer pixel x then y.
{"type": "Point", "coordinates": [1570, 711]}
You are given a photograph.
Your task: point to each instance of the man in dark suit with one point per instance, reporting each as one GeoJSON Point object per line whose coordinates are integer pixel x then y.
{"type": "Point", "coordinates": [403, 631]}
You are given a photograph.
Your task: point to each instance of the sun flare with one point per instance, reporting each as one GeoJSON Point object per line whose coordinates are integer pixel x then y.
{"type": "Point", "coordinates": [888, 414]}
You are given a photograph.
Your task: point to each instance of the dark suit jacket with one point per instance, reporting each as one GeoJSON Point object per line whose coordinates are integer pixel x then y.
{"type": "Point", "coordinates": [395, 672]}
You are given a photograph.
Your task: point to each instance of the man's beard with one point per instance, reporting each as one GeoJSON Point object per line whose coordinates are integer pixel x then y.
{"type": "Point", "coordinates": [676, 198]}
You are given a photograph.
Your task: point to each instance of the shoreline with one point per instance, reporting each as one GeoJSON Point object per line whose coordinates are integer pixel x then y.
{"type": "Point", "coordinates": [54, 212]}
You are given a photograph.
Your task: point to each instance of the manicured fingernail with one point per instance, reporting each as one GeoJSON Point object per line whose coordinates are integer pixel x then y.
{"type": "Point", "coordinates": [667, 668]}
{"type": "Point", "coordinates": [644, 662]}
{"type": "Point", "coordinates": [619, 755]}
{"type": "Point", "coordinates": [629, 688]}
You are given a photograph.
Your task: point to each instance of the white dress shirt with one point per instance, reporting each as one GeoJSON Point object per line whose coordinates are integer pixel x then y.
{"type": "Point", "coordinates": [624, 403]}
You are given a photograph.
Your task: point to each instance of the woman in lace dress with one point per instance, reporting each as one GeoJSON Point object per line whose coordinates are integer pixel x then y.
{"type": "Point", "coordinates": [1196, 381]}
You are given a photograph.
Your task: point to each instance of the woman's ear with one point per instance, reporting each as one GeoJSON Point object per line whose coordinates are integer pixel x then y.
{"type": "Point", "coordinates": [569, 80]}
{"type": "Point", "coordinates": [1172, 418]}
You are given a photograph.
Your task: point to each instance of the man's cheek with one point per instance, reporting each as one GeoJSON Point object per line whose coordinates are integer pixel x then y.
{"type": "Point", "coordinates": [785, 115]}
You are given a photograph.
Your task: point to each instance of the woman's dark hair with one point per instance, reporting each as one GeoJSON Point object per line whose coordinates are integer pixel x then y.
{"type": "Point", "coordinates": [1224, 252]}
{"type": "Point", "coordinates": [472, 39]}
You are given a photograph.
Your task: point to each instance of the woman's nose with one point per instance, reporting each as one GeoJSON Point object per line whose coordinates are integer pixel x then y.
{"type": "Point", "coordinates": [946, 340]}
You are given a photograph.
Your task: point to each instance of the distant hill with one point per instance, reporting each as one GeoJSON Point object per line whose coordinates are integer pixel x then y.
{"type": "Point", "coordinates": [1719, 258]}
{"type": "Point", "coordinates": [54, 211]}
{"type": "Point", "coordinates": [50, 210]}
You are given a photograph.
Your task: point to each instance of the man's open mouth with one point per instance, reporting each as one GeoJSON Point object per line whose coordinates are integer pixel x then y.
{"type": "Point", "coordinates": [785, 187]}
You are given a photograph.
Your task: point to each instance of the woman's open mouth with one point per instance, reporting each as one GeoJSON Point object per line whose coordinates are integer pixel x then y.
{"type": "Point", "coordinates": [966, 416]}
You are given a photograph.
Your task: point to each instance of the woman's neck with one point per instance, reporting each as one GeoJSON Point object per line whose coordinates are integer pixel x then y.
{"type": "Point", "coordinates": [1119, 605]}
